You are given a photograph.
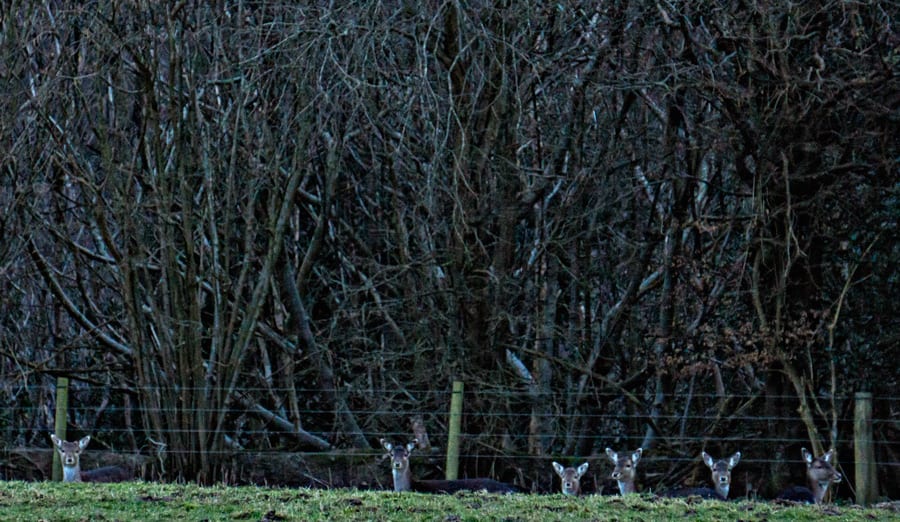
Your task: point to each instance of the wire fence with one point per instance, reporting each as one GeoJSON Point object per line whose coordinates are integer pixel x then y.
{"type": "Point", "coordinates": [743, 423]}
{"type": "Point", "coordinates": [753, 423]}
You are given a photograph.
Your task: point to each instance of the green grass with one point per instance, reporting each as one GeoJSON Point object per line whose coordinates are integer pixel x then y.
{"type": "Point", "coordinates": [147, 502]}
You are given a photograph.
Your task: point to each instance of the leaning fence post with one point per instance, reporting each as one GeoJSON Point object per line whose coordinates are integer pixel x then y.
{"type": "Point", "coordinates": [864, 452]}
{"type": "Point", "coordinates": [59, 422]}
{"type": "Point", "coordinates": [456, 404]}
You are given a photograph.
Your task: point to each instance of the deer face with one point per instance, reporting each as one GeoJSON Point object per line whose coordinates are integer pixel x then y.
{"type": "Point", "coordinates": [821, 470]}
{"type": "Point", "coordinates": [626, 465]}
{"type": "Point", "coordinates": [721, 471]}
{"type": "Point", "coordinates": [571, 477]}
{"type": "Point", "coordinates": [70, 452]}
{"type": "Point", "coordinates": [399, 455]}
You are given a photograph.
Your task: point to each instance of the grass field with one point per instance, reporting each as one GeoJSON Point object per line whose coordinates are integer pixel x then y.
{"type": "Point", "coordinates": [149, 501]}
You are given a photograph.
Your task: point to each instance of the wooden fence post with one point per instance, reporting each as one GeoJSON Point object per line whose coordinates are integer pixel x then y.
{"type": "Point", "coordinates": [59, 422]}
{"type": "Point", "coordinates": [456, 404]}
{"type": "Point", "coordinates": [864, 451]}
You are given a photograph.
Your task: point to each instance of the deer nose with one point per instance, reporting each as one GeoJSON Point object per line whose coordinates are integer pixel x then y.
{"type": "Point", "coordinates": [616, 475]}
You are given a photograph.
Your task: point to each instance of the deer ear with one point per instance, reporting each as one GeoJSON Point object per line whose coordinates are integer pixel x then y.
{"type": "Point", "coordinates": [707, 459]}
{"type": "Point", "coordinates": [828, 456]}
{"type": "Point", "coordinates": [582, 469]}
{"type": "Point", "coordinates": [612, 454]}
{"type": "Point", "coordinates": [387, 445]}
{"type": "Point", "coordinates": [84, 442]}
{"type": "Point", "coordinates": [558, 468]}
{"type": "Point", "coordinates": [807, 456]}
{"type": "Point", "coordinates": [734, 459]}
{"type": "Point", "coordinates": [636, 456]}
{"type": "Point", "coordinates": [411, 446]}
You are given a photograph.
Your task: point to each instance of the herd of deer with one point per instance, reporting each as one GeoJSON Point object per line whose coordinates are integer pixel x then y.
{"type": "Point", "coordinates": [819, 471]}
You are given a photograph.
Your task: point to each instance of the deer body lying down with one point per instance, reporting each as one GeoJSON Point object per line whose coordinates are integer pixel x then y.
{"type": "Point", "coordinates": [403, 480]}
{"type": "Point", "coordinates": [70, 454]}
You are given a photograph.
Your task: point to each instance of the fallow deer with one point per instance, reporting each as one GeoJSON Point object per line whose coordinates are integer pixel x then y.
{"type": "Point", "coordinates": [625, 471]}
{"type": "Point", "coordinates": [70, 454]}
{"type": "Point", "coordinates": [721, 472]}
{"type": "Point", "coordinates": [570, 478]}
{"type": "Point", "coordinates": [403, 480]}
{"type": "Point", "coordinates": [721, 477]}
{"type": "Point", "coordinates": [820, 474]}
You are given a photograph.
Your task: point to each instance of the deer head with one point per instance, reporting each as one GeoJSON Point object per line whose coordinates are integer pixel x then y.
{"type": "Point", "coordinates": [399, 456]}
{"type": "Point", "coordinates": [70, 454]}
{"type": "Point", "coordinates": [571, 477]}
{"type": "Point", "coordinates": [721, 471]}
{"type": "Point", "coordinates": [820, 472]}
{"type": "Point", "coordinates": [625, 471]}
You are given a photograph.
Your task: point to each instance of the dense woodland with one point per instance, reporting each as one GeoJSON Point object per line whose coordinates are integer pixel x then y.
{"type": "Point", "coordinates": [283, 226]}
